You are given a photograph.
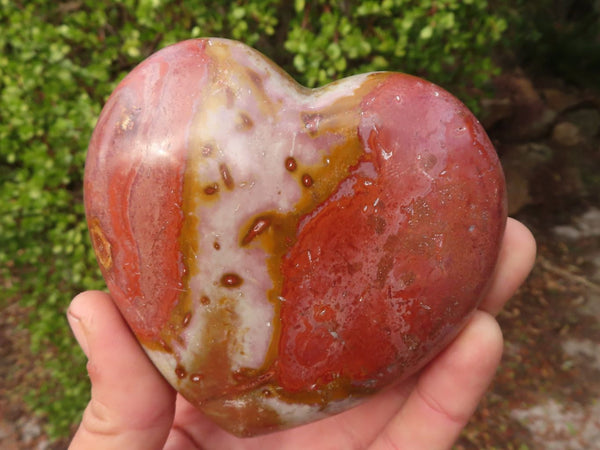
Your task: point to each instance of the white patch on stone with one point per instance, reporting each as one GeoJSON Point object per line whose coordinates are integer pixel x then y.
{"type": "Point", "coordinates": [165, 363]}
{"type": "Point", "coordinates": [261, 185]}
{"type": "Point", "coordinates": [293, 414]}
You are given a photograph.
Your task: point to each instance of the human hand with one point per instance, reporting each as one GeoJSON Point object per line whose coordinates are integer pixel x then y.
{"type": "Point", "coordinates": [133, 407]}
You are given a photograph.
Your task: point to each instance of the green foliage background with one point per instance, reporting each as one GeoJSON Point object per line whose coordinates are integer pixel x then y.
{"type": "Point", "coordinates": [59, 61]}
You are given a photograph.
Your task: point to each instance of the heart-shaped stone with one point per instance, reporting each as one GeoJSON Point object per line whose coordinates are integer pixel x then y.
{"type": "Point", "coordinates": [282, 253]}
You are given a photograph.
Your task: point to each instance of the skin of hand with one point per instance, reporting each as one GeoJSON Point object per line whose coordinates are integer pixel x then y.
{"type": "Point", "coordinates": [133, 407]}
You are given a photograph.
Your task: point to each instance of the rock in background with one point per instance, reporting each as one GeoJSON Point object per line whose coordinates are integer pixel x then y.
{"type": "Point", "coordinates": [548, 138]}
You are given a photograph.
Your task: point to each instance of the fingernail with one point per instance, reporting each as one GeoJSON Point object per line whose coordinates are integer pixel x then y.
{"type": "Point", "coordinates": [78, 330]}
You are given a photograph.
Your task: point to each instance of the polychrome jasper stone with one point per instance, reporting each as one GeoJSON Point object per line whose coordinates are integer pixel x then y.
{"type": "Point", "coordinates": [282, 253]}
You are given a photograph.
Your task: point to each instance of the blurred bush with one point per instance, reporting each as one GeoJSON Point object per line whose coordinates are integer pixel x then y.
{"type": "Point", "coordinates": [559, 38]}
{"type": "Point", "coordinates": [60, 60]}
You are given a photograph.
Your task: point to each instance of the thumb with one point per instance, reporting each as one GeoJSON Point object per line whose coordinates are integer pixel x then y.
{"type": "Point", "coordinates": [132, 406]}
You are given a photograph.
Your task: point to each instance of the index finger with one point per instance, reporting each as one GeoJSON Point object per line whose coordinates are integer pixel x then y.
{"type": "Point", "coordinates": [515, 261]}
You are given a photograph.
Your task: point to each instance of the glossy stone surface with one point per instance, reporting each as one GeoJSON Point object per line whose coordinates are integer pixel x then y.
{"type": "Point", "coordinates": [281, 253]}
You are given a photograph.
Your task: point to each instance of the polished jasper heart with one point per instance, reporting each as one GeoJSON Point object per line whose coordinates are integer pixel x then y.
{"type": "Point", "coordinates": [282, 253]}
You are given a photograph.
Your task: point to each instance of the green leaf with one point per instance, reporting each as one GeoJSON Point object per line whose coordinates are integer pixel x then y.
{"type": "Point", "coordinates": [426, 32]}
